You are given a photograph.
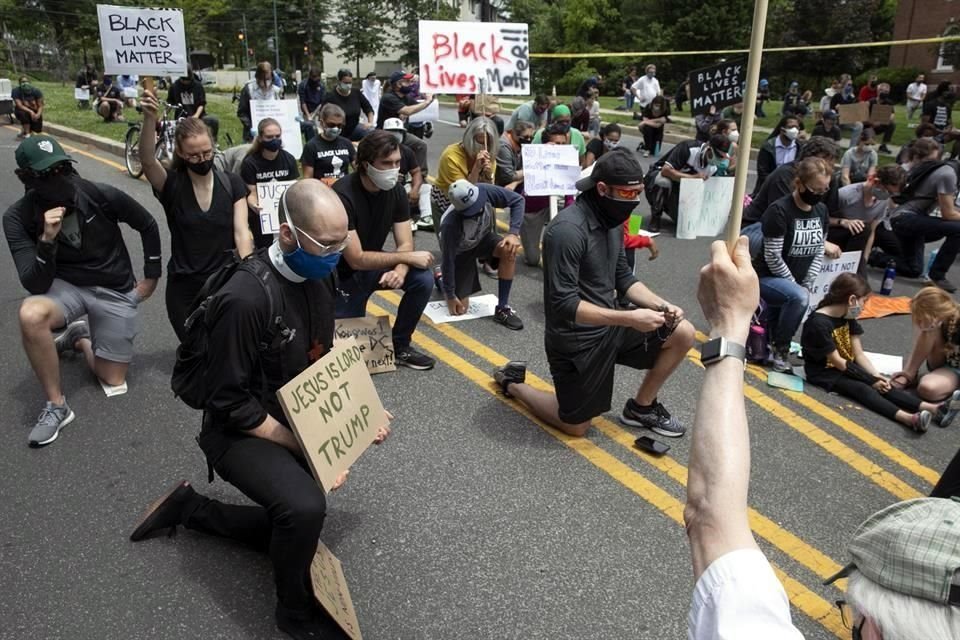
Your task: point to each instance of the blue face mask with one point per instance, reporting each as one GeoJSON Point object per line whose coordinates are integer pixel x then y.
{"type": "Point", "coordinates": [309, 266]}
{"type": "Point", "coordinates": [273, 145]}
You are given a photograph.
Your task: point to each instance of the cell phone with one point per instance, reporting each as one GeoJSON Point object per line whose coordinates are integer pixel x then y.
{"type": "Point", "coordinates": [645, 443]}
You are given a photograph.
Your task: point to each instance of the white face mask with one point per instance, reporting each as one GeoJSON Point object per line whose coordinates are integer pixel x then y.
{"type": "Point", "coordinates": [611, 144]}
{"type": "Point", "coordinates": [384, 179]}
{"type": "Point", "coordinates": [791, 133]}
{"type": "Point", "coordinates": [733, 136]}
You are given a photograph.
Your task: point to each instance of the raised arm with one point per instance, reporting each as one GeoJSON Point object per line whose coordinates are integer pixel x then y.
{"type": "Point", "coordinates": [152, 169]}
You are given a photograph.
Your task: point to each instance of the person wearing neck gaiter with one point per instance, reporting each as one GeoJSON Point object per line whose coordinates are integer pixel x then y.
{"type": "Point", "coordinates": [585, 274]}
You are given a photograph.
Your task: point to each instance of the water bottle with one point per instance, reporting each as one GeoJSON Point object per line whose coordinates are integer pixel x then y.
{"type": "Point", "coordinates": [888, 276]}
{"type": "Point", "coordinates": [933, 256]}
{"type": "Point", "coordinates": [438, 277]}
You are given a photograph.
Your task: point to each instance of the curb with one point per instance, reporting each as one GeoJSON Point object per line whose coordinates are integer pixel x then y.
{"type": "Point", "coordinates": [104, 144]}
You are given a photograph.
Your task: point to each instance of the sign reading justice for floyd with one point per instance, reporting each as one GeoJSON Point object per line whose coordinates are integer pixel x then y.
{"type": "Point", "coordinates": [145, 42]}
{"type": "Point", "coordinates": [334, 410]}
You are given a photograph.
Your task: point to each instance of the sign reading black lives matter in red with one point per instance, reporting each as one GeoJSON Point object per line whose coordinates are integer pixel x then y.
{"type": "Point", "coordinates": [718, 86]}
{"type": "Point", "coordinates": [474, 57]}
{"type": "Point", "coordinates": [141, 41]}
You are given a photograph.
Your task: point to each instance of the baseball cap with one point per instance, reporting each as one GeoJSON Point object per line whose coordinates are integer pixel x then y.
{"type": "Point", "coordinates": [466, 197]}
{"type": "Point", "coordinates": [617, 167]}
{"type": "Point", "coordinates": [399, 75]}
{"type": "Point", "coordinates": [393, 124]}
{"type": "Point", "coordinates": [829, 114]}
{"type": "Point", "coordinates": [912, 548]}
{"type": "Point", "coordinates": [39, 153]}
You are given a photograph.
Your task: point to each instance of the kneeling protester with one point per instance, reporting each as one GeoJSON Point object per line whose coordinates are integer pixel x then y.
{"type": "Point", "coordinates": [467, 234]}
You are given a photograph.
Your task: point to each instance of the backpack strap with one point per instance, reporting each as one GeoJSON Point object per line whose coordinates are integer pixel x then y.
{"type": "Point", "coordinates": [278, 333]}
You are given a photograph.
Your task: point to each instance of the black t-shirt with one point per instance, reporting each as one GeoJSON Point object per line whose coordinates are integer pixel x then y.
{"type": "Point", "coordinates": [191, 97]}
{"type": "Point", "coordinates": [408, 162]}
{"type": "Point", "coordinates": [833, 134]}
{"type": "Point", "coordinates": [256, 169]}
{"type": "Point", "coordinates": [109, 91]}
{"type": "Point", "coordinates": [353, 105]}
{"type": "Point", "coordinates": [330, 159]}
{"type": "Point", "coordinates": [682, 154]}
{"type": "Point", "coordinates": [200, 241]}
{"type": "Point", "coordinates": [389, 107]}
{"type": "Point", "coordinates": [939, 113]}
{"type": "Point", "coordinates": [595, 147]}
{"type": "Point", "coordinates": [821, 336]}
{"type": "Point", "coordinates": [371, 215]}
{"type": "Point", "coordinates": [803, 234]}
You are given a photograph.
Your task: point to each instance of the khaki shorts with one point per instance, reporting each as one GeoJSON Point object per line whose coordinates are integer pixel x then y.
{"type": "Point", "coordinates": [112, 316]}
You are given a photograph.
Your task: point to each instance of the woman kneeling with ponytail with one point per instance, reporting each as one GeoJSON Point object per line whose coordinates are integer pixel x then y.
{"type": "Point", "coordinates": [834, 358]}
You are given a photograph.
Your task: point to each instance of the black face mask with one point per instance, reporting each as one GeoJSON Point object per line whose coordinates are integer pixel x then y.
{"type": "Point", "coordinates": [613, 213]}
{"type": "Point", "coordinates": [811, 198]}
{"type": "Point", "coordinates": [200, 168]}
{"type": "Point", "coordinates": [57, 191]}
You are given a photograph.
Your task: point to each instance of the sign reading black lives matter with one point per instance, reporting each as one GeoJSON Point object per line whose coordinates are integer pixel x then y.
{"type": "Point", "coordinates": [141, 41]}
{"type": "Point", "coordinates": [718, 86]}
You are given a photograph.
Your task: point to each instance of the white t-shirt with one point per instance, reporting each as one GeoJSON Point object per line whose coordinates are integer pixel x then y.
{"type": "Point", "coordinates": [646, 89]}
{"type": "Point", "coordinates": [739, 597]}
{"type": "Point", "coordinates": [917, 91]}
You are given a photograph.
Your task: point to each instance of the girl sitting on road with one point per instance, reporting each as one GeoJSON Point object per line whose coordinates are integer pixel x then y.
{"type": "Point", "coordinates": [936, 341]}
{"type": "Point", "coordinates": [834, 358]}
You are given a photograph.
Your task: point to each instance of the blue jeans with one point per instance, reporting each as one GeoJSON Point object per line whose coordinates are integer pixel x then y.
{"type": "Point", "coordinates": [628, 98]}
{"type": "Point", "coordinates": [787, 301]}
{"type": "Point", "coordinates": [416, 293]}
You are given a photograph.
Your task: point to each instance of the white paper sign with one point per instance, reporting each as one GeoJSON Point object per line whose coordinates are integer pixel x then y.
{"type": "Point", "coordinates": [829, 270]}
{"type": "Point", "coordinates": [142, 41]}
{"type": "Point", "coordinates": [285, 112]}
{"type": "Point", "coordinates": [550, 169]}
{"type": "Point", "coordinates": [885, 363]}
{"type": "Point", "coordinates": [704, 207]}
{"type": "Point", "coordinates": [480, 307]}
{"type": "Point", "coordinates": [268, 195]}
{"type": "Point", "coordinates": [474, 57]}
{"type": "Point", "coordinates": [429, 114]}
{"type": "Point", "coordinates": [81, 94]}
{"type": "Point", "coordinates": [130, 92]}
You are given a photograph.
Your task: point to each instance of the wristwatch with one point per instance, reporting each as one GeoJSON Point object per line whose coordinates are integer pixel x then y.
{"type": "Point", "coordinates": [719, 348]}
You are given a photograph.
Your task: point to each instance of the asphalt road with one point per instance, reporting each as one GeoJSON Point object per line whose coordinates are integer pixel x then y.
{"type": "Point", "coordinates": [471, 522]}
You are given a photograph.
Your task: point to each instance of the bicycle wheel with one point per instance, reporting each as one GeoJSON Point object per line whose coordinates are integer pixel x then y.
{"type": "Point", "coordinates": [132, 151]}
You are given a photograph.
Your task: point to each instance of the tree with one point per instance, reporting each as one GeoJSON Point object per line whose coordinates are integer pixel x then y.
{"type": "Point", "coordinates": [363, 28]}
{"type": "Point", "coordinates": [408, 14]}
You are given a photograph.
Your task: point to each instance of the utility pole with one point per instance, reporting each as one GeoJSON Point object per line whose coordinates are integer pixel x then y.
{"type": "Point", "coordinates": [246, 47]}
{"type": "Point", "coordinates": [276, 37]}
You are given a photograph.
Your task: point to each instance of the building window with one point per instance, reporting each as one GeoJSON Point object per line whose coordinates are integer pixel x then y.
{"type": "Point", "coordinates": [942, 65]}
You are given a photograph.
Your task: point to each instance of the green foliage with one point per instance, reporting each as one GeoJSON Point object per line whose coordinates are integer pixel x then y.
{"type": "Point", "coordinates": [363, 27]}
{"type": "Point", "coordinates": [570, 81]}
{"type": "Point", "coordinates": [407, 32]}
{"type": "Point", "coordinates": [951, 50]}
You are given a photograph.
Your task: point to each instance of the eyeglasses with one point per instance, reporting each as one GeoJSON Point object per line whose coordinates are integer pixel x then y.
{"type": "Point", "coordinates": [326, 249]}
{"type": "Point", "coordinates": [200, 157]}
{"type": "Point", "coordinates": [848, 617]}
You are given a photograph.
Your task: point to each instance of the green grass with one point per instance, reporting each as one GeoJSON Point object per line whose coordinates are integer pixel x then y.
{"type": "Point", "coordinates": [61, 108]}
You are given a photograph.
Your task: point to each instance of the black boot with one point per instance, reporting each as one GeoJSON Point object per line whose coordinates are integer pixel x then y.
{"type": "Point", "coordinates": [654, 225]}
{"type": "Point", "coordinates": [166, 512]}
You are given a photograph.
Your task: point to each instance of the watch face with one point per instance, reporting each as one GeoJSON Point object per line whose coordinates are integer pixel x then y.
{"type": "Point", "coordinates": [711, 350]}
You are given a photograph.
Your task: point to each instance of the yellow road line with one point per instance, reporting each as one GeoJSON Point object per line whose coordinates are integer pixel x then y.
{"type": "Point", "coordinates": [802, 598]}
{"type": "Point", "coordinates": [873, 441]}
{"type": "Point", "coordinates": [804, 553]}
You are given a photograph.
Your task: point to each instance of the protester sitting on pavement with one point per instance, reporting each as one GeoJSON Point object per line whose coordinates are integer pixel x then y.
{"type": "Point", "coordinates": [930, 185]}
{"type": "Point", "coordinates": [412, 177]}
{"type": "Point", "coordinates": [109, 101]}
{"type": "Point", "coordinates": [859, 161]}
{"type": "Point", "coordinates": [260, 88]}
{"type": "Point", "coordinates": [190, 98]}
{"type": "Point", "coordinates": [312, 94]}
{"type": "Point", "coordinates": [586, 333]}
{"type": "Point", "coordinates": [472, 159]}
{"type": "Point", "coordinates": [398, 102]}
{"type": "Point", "coordinates": [936, 342]}
{"type": "Point", "coordinates": [861, 209]}
{"type": "Point", "coordinates": [206, 209]}
{"type": "Point", "coordinates": [330, 155]}
{"type": "Point", "coordinates": [28, 107]}
{"type": "Point", "coordinates": [356, 108]}
{"type": "Point", "coordinates": [794, 229]}
{"type": "Point", "coordinates": [780, 148]}
{"type": "Point", "coordinates": [689, 159]}
{"type": "Point", "coordinates": [376, 204]}
{"type": "Point", "coordinates": [833, 358]}
{"type": "Point", "coordinates": [245, 435]}
{"type": "Point", "coordinates": [509, 172]}
{"type": "Point", "coordinates": [844, 97]}
{"type": "Point", "coordinates": [534, 111]}
{"type": "Point", "coordinates": [468, 234]}
{"type": "Point", "coordinates": [737, 595]}
{"type": "Point", "coordinates": [828, 127]}
{"type": "Point", "coordinates": [654, 119]}
{"type": "Point", "coordinates": [67, 246]}
{"type": "Point", "coordinates": [537, 208]}
{"type": "Point", "coordinates": [608, 140]}
{"type": "Point", "coordinates": [562, 118]}
{"type": "Point", "coordinates": [266, 161]}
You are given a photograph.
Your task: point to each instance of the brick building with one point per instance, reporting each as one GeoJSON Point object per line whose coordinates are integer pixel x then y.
{"type": "Point", "coordinates": [925, 19]}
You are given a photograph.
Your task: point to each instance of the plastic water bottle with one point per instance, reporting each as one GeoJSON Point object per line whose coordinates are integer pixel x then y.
{"type": "Point", "coordinates": [888, 276]}
{"type": "Point", "coordinates": [933, 256]}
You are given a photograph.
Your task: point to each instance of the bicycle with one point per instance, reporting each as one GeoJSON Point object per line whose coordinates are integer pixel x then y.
{"type": "Point", "coordinates": [166, 128]}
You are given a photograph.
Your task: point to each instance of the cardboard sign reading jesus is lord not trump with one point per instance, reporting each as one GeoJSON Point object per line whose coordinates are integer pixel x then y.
{"type": "Point", "coordinates": [334, 410]}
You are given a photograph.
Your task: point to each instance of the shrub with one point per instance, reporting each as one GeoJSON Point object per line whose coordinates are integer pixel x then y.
{"type": "Point", "coordinates": [897, 77]}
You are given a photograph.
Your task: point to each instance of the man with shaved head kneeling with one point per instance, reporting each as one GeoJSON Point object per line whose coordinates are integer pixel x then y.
{"type": "Point", "coordinates": [245, 435]}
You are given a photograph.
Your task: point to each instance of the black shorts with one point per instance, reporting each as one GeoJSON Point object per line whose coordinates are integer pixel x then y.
{"type": "Point", "coordinates": [36, 126]}
{"type": "Point", "coordinates": [466, 274]}
{"type": "Point", "coordinates": [583, 382]}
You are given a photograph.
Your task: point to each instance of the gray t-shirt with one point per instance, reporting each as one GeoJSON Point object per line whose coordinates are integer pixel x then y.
{"type": "Point", "coordinates": [852, 207]}
{"type": "Point", "coordinates": [859, 164]}
{"type": "Point", "coordinates": [943, 180]}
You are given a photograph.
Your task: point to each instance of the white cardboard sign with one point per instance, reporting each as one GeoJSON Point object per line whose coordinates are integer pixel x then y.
{"type": "Point", "coordinates": [704, 207]}
{"type": "Point", "coordinates": [550, 169]}
{"type": "Point", "coordinates": [480, 307]}
{"type": "Point", "coordinates": [430, 114]}
{"type": "Point", "coordinates": [474, 57]}
{"type": "Point", "coordinates": [142, 41]}
{"type": "Point", "coordinates": [285, 112]}
{"type": "Point", "coordinates": [268, 195]}
{"type": "Point", "coordinates": [829, 270]}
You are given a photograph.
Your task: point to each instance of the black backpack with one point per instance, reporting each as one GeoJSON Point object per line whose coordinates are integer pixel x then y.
{"type": "Point", "coordinates": [914, 178]}
{"type": "Point", "coordinates": [189, 378]}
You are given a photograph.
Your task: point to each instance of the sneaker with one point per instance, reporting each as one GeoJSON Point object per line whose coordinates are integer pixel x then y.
{"type": "Point", "coordinates": [166, 512]}
{"type": "Point", "coordinates": [948, 411]}
{"type": "Point", "coordinates": [488, 270]}
{"type": "Point", "coordinates": [655, 417]}
{"type": "Point", "coordinates": [942, 283]}
{"type": "Point", "coordinates": [780, 360]}
{"type": "Point", "coordinates": [920, 421]}
{"type": "Point", "coordinates": [884, 149]}
{"type": "Point", "coordinates": [425, 222]}
{"type": "Point", "coordinates": [514, 372]}
{"type": "Point", "coordinates": [912, 125]}
{"type": "Point", "coordinates": [413, 225]}
{"type": "Point", "coordinates": [67, 340]}
{"type": "Point", "coordinates": [508, 318]}
{"type": "Point", "coordinates": [412, 358]}
{"type": "Point", "coordinates": [52, 419]}
{"type": "Point", "coordinates": [646, 154]}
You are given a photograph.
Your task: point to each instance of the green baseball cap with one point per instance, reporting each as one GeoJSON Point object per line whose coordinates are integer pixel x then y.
{"type": "Point", "coordinates": [39, 153]}
{"type": "Point", "coordinates": [912, 548]}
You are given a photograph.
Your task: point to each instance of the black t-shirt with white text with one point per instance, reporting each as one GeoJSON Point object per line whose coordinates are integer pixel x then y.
{"type": "Point", "coordinates": [330, 159]}
{"type": "Point", "coordinates": [371, 214]}
{"type": "Point", "coordinates": [938, 112]}
{"type": "Point", "coordinates": [256, 169]}
{"type": "Point", "coordinates": [191, 97]}
{"type": "Point", "coordinates": [803, 234]}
